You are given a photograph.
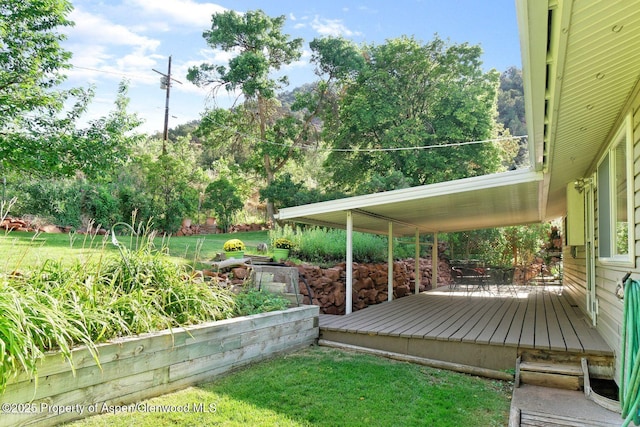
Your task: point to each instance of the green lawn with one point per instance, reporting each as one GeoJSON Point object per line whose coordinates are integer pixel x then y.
{"type": "Point", "coordinates": [19, 250]}
{"type": "Point", "coordinates": [327, 387]}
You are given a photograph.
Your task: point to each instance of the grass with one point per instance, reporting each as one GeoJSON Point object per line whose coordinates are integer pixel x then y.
{"type": "Point", "coordinates": [26, 250]}
{"type": "Point", "coordinates": [319, 387]}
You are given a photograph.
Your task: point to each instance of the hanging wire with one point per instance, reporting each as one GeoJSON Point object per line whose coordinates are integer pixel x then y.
{"type": "Point", "coordinates": [333, 150]}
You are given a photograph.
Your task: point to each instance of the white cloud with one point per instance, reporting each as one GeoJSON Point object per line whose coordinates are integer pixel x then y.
{"type": "Point", "coordinates": [93, 29]}
{"type": "Point", "coordinates": [183, 11]}
{"type": "Point", "coordinates": [331, 27]}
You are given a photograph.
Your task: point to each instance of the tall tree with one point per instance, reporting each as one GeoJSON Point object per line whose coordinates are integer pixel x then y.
{"type": "Point", "coordinates": [413, 95]}
{"type": "Point", "coordinates": [274, 134]}
{"type": "Point", "coordinates": [262, 48]}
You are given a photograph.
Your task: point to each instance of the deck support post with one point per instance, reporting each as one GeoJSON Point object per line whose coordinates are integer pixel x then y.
{"type": "Point", "coordinates": [416, 272]}
{"type": "Point", "coordinates": [390, 264]}
{"type": "Point", "coordinates": [349, 267]}
{"type": "Point", "coordinates": [434, 261]}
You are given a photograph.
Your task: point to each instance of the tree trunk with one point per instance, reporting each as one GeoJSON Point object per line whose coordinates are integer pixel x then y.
{"type": "Point", "coordinates": [268, 168]}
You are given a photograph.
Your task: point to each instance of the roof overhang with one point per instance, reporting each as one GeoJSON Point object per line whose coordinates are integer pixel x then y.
{"type": "Point", "coordinates": [497, 200]}
{"type": "Point", "coordinates": [580, 72]}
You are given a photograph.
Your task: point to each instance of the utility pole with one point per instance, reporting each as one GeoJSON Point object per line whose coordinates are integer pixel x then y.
{"type": "Point", "coordinates": [165, 83]}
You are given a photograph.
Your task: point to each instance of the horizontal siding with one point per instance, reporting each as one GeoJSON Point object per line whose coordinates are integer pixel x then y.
{"type": "Point", "coordinates": [610, 308]}
{"type": "Point", "coordinates": [574, 276]}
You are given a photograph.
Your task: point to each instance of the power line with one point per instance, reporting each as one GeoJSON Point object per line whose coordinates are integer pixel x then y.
{"type": "Point", "coordinates": [112, 72]}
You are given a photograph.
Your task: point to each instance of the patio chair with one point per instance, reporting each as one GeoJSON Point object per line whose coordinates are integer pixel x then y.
{"type": "Point", "coordinates": [503, 277]}
{"type": "Point", "coordinates": [467, 276]}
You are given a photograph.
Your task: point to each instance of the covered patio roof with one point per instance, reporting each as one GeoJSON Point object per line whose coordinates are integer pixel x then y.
{"type": "Point", "coordinates": [497, 200]}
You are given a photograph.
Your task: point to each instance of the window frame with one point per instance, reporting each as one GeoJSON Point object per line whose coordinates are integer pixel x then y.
{"type": "Point", "coordinates": [607, 164]}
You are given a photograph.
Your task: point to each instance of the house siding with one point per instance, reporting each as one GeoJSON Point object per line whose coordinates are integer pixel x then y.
{"type": "Point", "coordinates": [574, 276]}
{"type": "Point", "coordinates": [608, 276]}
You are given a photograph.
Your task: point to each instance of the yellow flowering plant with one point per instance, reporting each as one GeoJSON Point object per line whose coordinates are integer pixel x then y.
{"type": "Point", "coordinates": [283, 243]}
{"type": "Point", "coordinates": [233, 245]}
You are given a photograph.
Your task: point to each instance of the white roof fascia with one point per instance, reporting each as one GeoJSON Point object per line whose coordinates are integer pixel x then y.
{"type": "Point", "coordinates": [412, 193]}
{"type": "Point", "coordinates": [532, 23]}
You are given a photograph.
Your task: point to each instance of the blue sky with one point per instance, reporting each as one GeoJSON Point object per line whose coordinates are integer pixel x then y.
{"type": "Point", "coordinates": [116, 39]}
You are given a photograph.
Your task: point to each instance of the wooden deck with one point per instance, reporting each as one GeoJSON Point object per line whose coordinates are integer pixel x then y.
{"type": "Point", "coordinates": [483, 328]}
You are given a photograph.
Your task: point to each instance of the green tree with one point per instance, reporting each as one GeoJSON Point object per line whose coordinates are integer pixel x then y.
{"type": "Point", "coordinates": [274, 134]}
{"type": "Point", "coordinates": [511, 102]}
{"type": "Point", "coordinates": [38, 132]}
{"type": "Point", "coordinates": [172, 180]}
{"type": "Point", "coordinates": [222, 196]}
{"type": "Point", "coordinates": [410, 94]}
{"type": "Point", "coordinates": [262, 48]}
{"type": "Point", "coordinates": [511, 112]}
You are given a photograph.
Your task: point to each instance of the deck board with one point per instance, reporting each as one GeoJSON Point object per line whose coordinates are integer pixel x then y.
{"type": "Point", "coordinates": [390, 315]}
{"type": "Point", "coordinates": [556, 338]}
{"type": "Point", "coordinates": [541, 337]}
{"type": "Point", "coordinates": [483, 328]}
{"type": "Point", "coordinates": [587, 335]}
{"type": "Point", "coordinates": [514, 328]}
{"type": "Point", "coordinates": [477, 322]}
{"type": "Point", "coordinates": [433, 312]}
{"type": "Point", "coordinates": [439, 317]}
{"type": "Point", "coordinates": [402, 319]}
{"type": "Point", "coordinates": [483, 333]}
{"type": "Point", "coordinates": [572, 342]}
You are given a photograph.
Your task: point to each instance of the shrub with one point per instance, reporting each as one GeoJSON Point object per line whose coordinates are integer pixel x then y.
{"type": "Point", "coordinates": [254, 301]}
{"type": "Point", "coordinates": [323, 245]}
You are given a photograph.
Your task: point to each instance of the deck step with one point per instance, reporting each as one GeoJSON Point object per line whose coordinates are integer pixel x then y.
{"type": "Point", "coordinates": [555, 375]}
{"type": "Point", "coordinates": [551, 368]}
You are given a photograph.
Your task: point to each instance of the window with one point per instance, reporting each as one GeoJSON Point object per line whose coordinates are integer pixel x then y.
{"type": "Point", "coordinates": [614, 193]}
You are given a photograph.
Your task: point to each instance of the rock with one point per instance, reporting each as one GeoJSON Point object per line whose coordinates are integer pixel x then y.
{"type": "Point", "coordinates": [50, 229]}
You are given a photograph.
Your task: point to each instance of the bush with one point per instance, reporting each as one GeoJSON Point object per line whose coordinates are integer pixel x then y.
{"type": "Point", "coordinates": [323, 245]}
{"type": "Point", "coordinates": [254, 301]}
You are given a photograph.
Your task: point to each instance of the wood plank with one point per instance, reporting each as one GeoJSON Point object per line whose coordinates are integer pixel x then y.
{"type": "Point", "coordinates": [450, 307]}
{"type": "Point", "coordinates": [487, 326]}
{"type": "Point", "coordinates": [509, 333]}
{"type": "Point", "coordinates": [588, 336]}
{"type": "Point", "coordinates": [454, 320]}
{"type": "Point", "coordinates": [556, 339]}
{"type": "Point", "coordinates": [496, 330]}
{"type": "Point", "coordinates": [527, 334]}
{"type": "Point", "coordinates": [484, 311]}
{"type": "Point", "coordinates": [438, 306]}
{"type": "Point", "coordinates": [365, 319]}
{"type": "Point", "coordinates": [401, 316]}
{"type": "Point", "coordinates": [552, 368]}
{"type": "Point", "coordinates": [541, 334]}
{"type": "Point", "coordinates": [479, 321]}
{"type": "Point", "coordinates": [408, 319]}
{"type": "Point", "coordinates": [534, 418]}
{"type": "Point", "coordinates": [568, 333]}
{"type": "Point", "coordinates": [543, 379]}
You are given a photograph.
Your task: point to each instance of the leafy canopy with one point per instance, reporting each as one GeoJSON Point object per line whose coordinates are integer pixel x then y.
{"type": "Point", "coordinates": [37, 133]}
{"type": "Point", "coordinates": [410, 94]}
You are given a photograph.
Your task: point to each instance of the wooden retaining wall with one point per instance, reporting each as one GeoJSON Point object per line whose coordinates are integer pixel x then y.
{"type": "Point", "coordinates": [133, 369]}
